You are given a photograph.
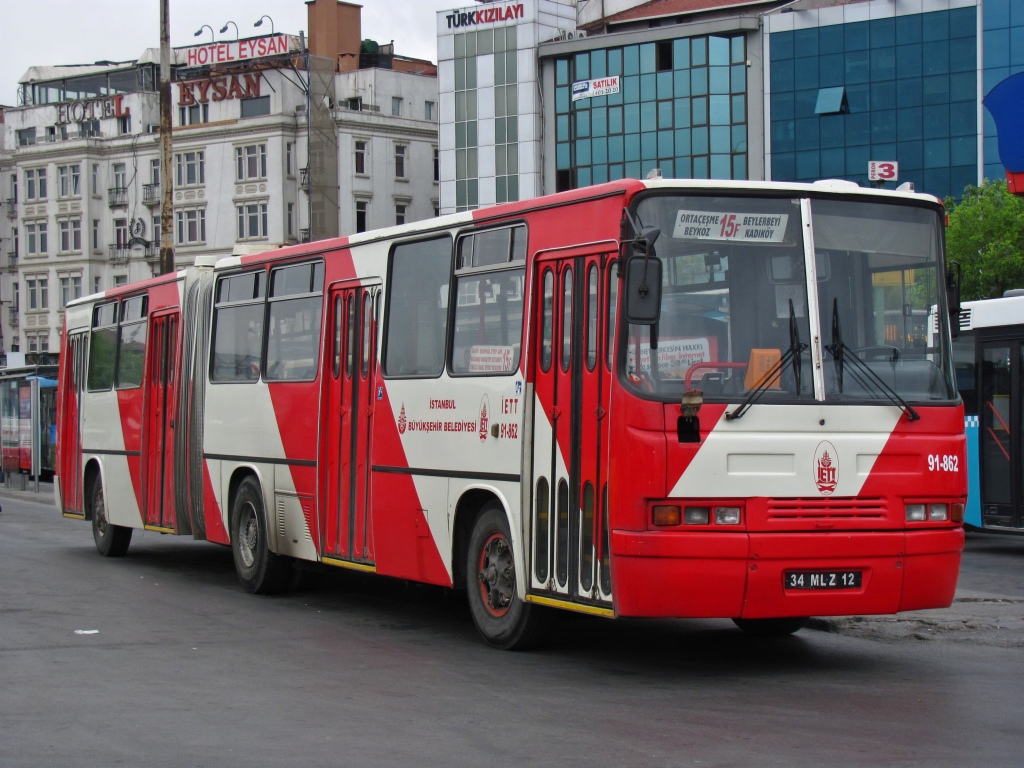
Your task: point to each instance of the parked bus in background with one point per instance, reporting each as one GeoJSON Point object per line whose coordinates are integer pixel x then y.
{"type": "Point", "coordinates": [989, 355]}
{"type": "Point", "coordinates": [670, 398]}
{"type": "Point", "coordinates": [28, 414]}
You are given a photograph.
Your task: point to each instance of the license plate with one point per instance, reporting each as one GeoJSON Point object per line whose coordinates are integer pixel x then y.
{"type": "Point", "coordinates": [822, 579]}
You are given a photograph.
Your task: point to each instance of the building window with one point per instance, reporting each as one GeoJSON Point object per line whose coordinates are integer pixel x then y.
{"type": "Point", "coordinates": [121, 233]}
{"type": "Point", "coordinates": [37, 289]}
{"type": "Point", "coordinates": [400, 161]}
{"type": "Point", "coordinates": [96, 284]}
{"type": "Point", "coordinates": [288, 167]}
{"type": "Point", "coordinates": [88, 129]}
{"type": "Point", "coordinates": [35, 184]}
{"type": "Point", "coordinates": [70, 289]}
{"type": "Point", "coordinates": [400, 209]}
{"type": "Point", "coordinates": [26, 137]}
{"type": "Point", "coordinates": [291, 219]}
{"type": "Point", "coordinates": [196, 114]}
{"type": "Point", "coordinates": [120, 176]}
{"type": "Point", "coordinates": [70, 235]}
{"type": "Point", "coordinates": [124, 125]}
{"type": "Point", "coordinates": [68, 181]}
{"type": "Point", "coordinates": [35, 235]}
{"type": "Point", "coordinates": [120, 280]}
{"type": "Point", "coordinates": [56, 133]}
{"type": "Point", "coordinates": [191, 225]}
{"type": "Point", "coordinates": [190, 169]}
{"type": "Point", "coordinates": [95, 179]}
{"type": "Point", "coordinates": [251, 162]}
{"type": "Point", "coordinates": [437, 165]}
{"type": "Point", "coordinates": [256, 107]}
{"type": "Point", "coordinates": [429, 110]}
{"type": "Point", "coordinates": [95, 234]}
{"type": "Point", "coordinates": [362, 208]}
{"type": "Point", "coordinates": [252, 221]}
{"type": "Point", "coordinates": [396, 106]}
{"type": "Point", "coordinates": [831, 101]}
{"type": "Point", "coordinates": [154, 171]}
{"type": "Point", "coordinates": [360, 159]}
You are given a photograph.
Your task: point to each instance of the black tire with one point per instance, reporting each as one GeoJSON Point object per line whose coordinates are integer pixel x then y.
{"type": "Point", "coordinates": [771, 627]}
{"type": "Point", "coordinates": [259, 570]}
{"type": "Point", "coordinates": [503, 620]}
{"type": "Point", "coordinates": [111, 540]}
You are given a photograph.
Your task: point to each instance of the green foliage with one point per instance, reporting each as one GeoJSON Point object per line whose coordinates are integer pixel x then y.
{"type": "Point", "coordinates": [986, 237]}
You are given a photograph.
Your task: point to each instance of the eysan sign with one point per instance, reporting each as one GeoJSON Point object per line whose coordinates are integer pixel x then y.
{"type": "Point", "coordinates": [218, 89]}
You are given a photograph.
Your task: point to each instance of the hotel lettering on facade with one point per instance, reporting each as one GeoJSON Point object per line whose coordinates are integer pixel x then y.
{"type": "Point", "coordinates": [274, 142]}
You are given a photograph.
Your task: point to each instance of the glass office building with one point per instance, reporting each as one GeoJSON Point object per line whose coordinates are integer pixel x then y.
{"type": "Point", "coordinates": [876, 81]}
{"type": "Point", "coordinates": [676, 104]}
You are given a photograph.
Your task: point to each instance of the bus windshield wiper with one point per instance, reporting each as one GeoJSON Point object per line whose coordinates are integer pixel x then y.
{"type": "Point", "coordinates": [796, 348]}
{"type": "Point", "coordinates": [860, 371]}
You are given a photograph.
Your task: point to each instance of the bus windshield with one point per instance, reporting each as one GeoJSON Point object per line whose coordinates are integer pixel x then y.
{"type": "Point", "coordinates": [736, 290]}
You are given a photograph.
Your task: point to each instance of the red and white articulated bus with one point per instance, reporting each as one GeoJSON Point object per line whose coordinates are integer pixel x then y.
{"type": "Point", "coordinates": [663, 398]}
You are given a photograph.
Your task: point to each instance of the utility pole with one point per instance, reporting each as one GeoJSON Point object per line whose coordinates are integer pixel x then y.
{"type": "Point", "coordinates": [166, 177]}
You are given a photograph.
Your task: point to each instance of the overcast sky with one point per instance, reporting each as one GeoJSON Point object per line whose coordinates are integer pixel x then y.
{"type": "Point", "coordinates": [52, 32]}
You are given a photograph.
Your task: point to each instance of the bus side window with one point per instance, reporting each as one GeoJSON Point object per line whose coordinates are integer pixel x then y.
{"type": "Point", "coordinates": [417, 308]}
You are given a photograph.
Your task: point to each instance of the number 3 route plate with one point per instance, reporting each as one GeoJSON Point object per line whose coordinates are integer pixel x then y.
{"type": "Point", "coordinates": [822, 579]}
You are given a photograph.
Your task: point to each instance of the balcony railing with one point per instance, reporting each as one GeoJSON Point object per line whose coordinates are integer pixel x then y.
{"type": "Point", "coordinates": [13, 317]}
{"type": "Point", "coordinates": [119, 254]}
{"type": "Point", "coordinates": [304, 179]}
{"type": "Point", "coordinates": [12, 261]}
{"type": "Point", "coordinates": [12, 208]}
{"type": "Point", "coordinates": [117, 196]}
{"type": "Point", "coordinates": [152, 250]}
{"type": "Point", "coordinates": [303, 235]}
{"type": "Point", "coordinates": [151, 194]}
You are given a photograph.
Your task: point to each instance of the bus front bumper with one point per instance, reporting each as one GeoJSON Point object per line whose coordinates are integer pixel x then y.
{"type": "Point", "coordinates": [750, 575]}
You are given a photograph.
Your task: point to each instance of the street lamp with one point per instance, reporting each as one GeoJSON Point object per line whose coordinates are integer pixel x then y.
{"type": "Point", "coordinates": [225, 29]}
{"type": "Point", "coordinates": [200, 31]}
{"type": "Point", "coordinates": [260, 23]}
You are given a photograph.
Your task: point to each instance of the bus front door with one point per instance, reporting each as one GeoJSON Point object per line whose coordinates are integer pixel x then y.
{"type": "Point", "coordinates": [999, 433]}
{"type": "Point", "coordinates": [570, 428]}
{"type": "Point", "coordinates": [158, 424]}
{"type": "Point", "coordinates": [350, 369]}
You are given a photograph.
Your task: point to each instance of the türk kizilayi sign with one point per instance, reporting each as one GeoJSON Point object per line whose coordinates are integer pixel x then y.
{"type": "Point", "coordinates": [588, 89]}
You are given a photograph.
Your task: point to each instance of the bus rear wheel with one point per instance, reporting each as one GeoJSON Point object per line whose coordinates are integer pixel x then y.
{"type": "Point", "coordinates": [111, 540]}
{"type": "Point", "coordinates": [771, 627]}
{"type": "Point", "coordinates": [259, 570]}
{"type": "Point", "coordinates": [503, 620]}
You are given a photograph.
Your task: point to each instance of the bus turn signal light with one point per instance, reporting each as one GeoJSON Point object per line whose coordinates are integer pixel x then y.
{"type": "Point", "coordinates": [666, 514]}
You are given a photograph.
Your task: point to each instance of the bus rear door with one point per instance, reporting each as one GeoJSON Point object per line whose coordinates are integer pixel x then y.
{"type": "Point", "coordinates": [346, 530]}
{"type": "Point", "coordinates": [1000, 419]}
{"type": "Point", "coordinates": [69, 462]}
{"type": "Point", "coordinates": [158, 423]}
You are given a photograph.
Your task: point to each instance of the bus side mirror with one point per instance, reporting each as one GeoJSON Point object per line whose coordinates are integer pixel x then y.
{"type": "Point", "coordinates": [643, 281]}
{"type": "Point", "coordinates": [953, 299]}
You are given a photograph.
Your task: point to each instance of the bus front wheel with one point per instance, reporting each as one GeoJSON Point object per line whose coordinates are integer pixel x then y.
{"type": "Point", "coordinates": [501, 617]}
{"type": "Point", "coordinates": [259, 570]}
{"type": "Point", "coordinates": [111, 540]}
{"type": "Point", "coordinates": [771, 627]}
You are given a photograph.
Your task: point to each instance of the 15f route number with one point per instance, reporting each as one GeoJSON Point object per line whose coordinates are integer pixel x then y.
{"type": "Point", "coordinates": [943, 463]}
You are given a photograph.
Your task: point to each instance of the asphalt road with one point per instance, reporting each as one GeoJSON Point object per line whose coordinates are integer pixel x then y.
{"type": "Point", "coordinates": [160, 659]}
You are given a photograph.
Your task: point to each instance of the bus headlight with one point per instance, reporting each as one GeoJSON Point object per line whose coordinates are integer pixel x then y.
{"type": "Point", "coordinates": [697, 515]}
{"type": "Point", "coordinates": [727, 515]}
{"type": "Point", "coordinates": [938, 511]}
{"type": "Point", "coordinates": [916, 513]}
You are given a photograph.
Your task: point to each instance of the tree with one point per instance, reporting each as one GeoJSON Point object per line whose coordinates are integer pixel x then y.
{"type": "Point", "coordinates": [986, 238]}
